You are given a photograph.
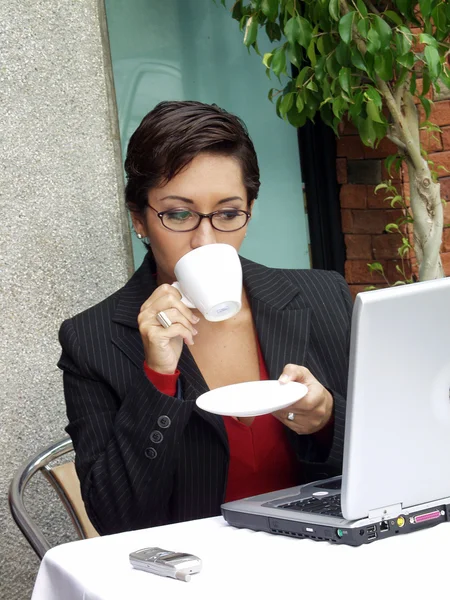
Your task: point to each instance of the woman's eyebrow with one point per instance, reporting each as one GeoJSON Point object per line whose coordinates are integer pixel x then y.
{"type": "Point", "coordinates": [189, 201]}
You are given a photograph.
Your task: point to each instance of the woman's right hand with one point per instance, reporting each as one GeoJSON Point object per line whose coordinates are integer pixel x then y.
{"type": "Point", "coordinates": [163, 346]}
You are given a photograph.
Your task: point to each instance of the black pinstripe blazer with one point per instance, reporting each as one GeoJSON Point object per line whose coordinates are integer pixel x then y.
{"type": "Point", "coordinates": [144, 458]}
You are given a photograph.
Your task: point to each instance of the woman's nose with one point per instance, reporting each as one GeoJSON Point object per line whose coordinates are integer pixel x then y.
{"type": "Point", "coordinates": [204, 234]}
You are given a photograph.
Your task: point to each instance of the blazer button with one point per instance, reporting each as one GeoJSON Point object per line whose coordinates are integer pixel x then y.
{"type": "Point", "coordinates": [151, 453]}
{"type": "Point", "coordinates": [156, 437]}
{"type": "Point", "coordinates": [164, 422]}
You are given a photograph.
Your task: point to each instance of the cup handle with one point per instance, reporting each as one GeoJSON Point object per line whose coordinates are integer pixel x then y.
{"type": "Point", "coordinates": [184, 299]}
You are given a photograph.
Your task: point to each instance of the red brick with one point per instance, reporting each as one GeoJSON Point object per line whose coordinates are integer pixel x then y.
{"type": "Point", "coordinates": [386, 245]}
{"type": "Point", "coordinates": [446, 138]}
{"type": "Point", "coordinates": [446, 263]}
{"type": "Point", "coordinates": [341, 170]}
{"type": "Point", "coordinates": [368, 221]}
{"type": "Point", "coordinates": [441, 159]}
{"type": "Point", "coordinates": [358, 246]}
{"type": "Point", "coordinates": [445, 194]}
{"type": "Point", "coordinates": [431, 141]}
{"type": "Point", "coordinates": [348, 128]}
{"type": "Point", "coordinates": [357, 271]}
{"type": "Point", "coordinates": [392, 273]}
{"type": "Point", "coordinates": [446, 240]}
{"type": "Point", "coordinates": [440, 113]}
{"type": "Point", "coordinates": [355, 289]}
{"type": "Point", "coordinates": [353, 196]}
{"type": "Point", "coordinates": [384, 148]}
{"type": "Point", "coordinates": [378, 200]}
{"type": "Point", "coordinates": [350, 146]}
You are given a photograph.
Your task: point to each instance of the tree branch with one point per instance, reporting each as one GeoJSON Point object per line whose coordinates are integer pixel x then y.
{"type": "Point", "coordinates": [397, 141]}
{"type": "Point", "coordinates": [371, 7]}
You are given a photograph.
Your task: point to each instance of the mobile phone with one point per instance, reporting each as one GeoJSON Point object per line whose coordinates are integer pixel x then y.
{"type": "Point", "coordinates": [166, 563]}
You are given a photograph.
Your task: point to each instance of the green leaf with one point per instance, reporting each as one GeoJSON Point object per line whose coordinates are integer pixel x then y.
{"type": "Point", "coordinates": [426, 106]}
{"type": "Point", "coordinates": [374, 42]}
{"type": "Point", "coordinates": [269, 8]}
{"type": "Point", "coordinates": [384, 31]}
{"type": "Point", "coordinates": [376, 266]}
{"type": "Point", "coordinates": [287, 103]}
{"type": "Point", "coordinates": [363, 27]}
{"type": "Point", "coordinates": [406, 61]}
{"type": "Point", "coordinates": [425, 7]}
{"type": "Point", "coordinates": [373, 112]}
{"type": "Point", "coordinates": [334, 10]}
{"type": "Point", "coordinates": [332, 65]}
{"type": "Point", "coordinates": [311, 54]}
{"type": "Point", "coordinates": [298, 29]}
{"type": "Point", "coordinates": [362, 8]}
{"type": "Point", "coordinates": [278, 63]}
{"type": "Point", "coordinates": [403, 40]}
{"type": "Point", "coordinates": [384, 66]}
{"type": "Point", "coordinates": [299, 103]}
{"type": "Point", "coordinates": [429, 40]}
{"type": "Point", "coordinates": [343, 54]}
{"type": "Point", "coordinates": [393, 16]}
{"type": "Point", "coordinates": [295, 118]}
{"type": "Point", "coordinates": [391, 227]}
{"type": "Point", "coordinates": [270, 94]}
{"type": "Point", "coordinates": [301, 77]}
{"type": "Point", "coordinates": [381, 186]}
{"type": "Point", "coordinates": [339, 107]}
{"type": "Point", "coordinates": [367, 132]}
{"type": "Point", "coordinates": [312, 86]}
{"type": "Point", "coordinates": [251, 32]}
{"type": "Point", "coordinates": [345, 80]}
{"type": "Point", "coordinates": [373, 95]}
{"type": "Point", "coordinates": [433, 60]}
{"type": "Point", "coordinates": [357, 59]}
{"type": "Point", "coordinates": [426, 82]}
{"type": "Point", "coordinates": [267, 59]}
{"type": "Point", "coordinates": [345, 27]}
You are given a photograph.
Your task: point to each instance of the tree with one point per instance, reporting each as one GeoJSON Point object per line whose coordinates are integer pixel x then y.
{"type": "Point", "coordinates": [367, 61]}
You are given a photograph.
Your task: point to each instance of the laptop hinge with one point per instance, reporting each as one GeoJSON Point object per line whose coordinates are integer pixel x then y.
{"type": "Point", "coordinates": [385, 512]}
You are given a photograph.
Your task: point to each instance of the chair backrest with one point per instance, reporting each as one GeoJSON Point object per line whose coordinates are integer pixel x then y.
{"type": "Point", "coordinates": [64, 479]}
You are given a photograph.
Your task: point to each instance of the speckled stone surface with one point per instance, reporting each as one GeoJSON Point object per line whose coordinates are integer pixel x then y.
{"type": "Point", "coordinates": [64, 239]}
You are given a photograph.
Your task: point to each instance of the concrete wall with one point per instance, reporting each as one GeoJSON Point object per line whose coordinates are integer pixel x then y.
{"type": "Point", "coordinates": [64, 239]}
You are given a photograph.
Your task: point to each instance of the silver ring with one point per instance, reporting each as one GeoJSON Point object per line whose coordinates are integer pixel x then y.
{"type": "Point", "coordinates": [163, 319]}
{"type": "Point", "coordinates": [290, 416]}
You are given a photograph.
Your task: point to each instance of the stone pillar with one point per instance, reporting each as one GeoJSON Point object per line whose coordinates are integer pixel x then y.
{"type": "Point", "coordinates": [64, 237]}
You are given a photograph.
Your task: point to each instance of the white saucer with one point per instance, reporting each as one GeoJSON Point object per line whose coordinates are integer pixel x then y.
{"type": "Point", "coordinates": [251, 398]}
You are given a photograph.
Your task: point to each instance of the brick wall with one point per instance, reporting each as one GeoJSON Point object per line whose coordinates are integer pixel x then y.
{"type": "Point", "coordinates": [365, 214]}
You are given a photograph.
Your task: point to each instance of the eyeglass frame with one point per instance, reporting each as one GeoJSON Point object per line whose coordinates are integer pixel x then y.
{"type": "Point", "coordinates": [202, 216]}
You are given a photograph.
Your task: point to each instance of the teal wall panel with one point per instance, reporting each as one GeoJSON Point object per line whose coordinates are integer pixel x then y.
{"type": "Point", "coordinates": [192, 50]}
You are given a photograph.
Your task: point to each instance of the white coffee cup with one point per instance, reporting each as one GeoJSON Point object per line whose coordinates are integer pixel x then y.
{"type": "Point", "coordinates": [209, 278]}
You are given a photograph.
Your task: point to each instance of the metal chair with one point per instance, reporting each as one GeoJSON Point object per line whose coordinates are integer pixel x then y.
{"type": "Point", "coordinates": [64, 479]}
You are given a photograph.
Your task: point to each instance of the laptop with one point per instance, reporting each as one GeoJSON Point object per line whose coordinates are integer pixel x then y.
{"type": "Point", "coordinates": [396, 468]}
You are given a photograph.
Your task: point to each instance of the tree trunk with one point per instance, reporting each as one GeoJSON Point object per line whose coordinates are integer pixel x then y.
{"type": "Point", "coordinates": [428, 213]}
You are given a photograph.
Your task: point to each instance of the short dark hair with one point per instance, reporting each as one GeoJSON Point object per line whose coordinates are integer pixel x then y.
{"type": "Point", "coordinates": [172, 135]}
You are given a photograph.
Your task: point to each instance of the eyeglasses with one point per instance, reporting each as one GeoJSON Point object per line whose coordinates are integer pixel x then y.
{"type": "Point", "coordinates": [181, 219]}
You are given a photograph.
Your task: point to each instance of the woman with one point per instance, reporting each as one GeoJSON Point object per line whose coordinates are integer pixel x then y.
{"type": "Point", "coordinates": [146, 455]}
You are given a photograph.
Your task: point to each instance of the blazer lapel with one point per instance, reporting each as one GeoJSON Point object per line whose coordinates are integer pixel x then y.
{"type": "Point", "coordinates": [282, 320]}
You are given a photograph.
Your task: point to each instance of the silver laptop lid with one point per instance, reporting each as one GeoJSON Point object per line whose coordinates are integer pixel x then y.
{"type": "Point", "coordinates": [397, 436]}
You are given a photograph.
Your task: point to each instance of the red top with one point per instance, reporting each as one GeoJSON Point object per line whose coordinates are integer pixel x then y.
{"type": "Point", "coordinates": [261, 459]}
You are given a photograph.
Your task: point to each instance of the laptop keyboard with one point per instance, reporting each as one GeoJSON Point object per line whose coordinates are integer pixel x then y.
{"type": "Point", "coordinates": [325, 505]}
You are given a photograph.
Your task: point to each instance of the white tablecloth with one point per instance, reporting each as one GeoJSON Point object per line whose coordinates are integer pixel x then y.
{"type": "Point", "coordinates": [238, 563]}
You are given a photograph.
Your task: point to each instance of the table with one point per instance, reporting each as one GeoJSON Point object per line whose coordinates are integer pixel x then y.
{"type": "Point", "coordinates": [238, 563]}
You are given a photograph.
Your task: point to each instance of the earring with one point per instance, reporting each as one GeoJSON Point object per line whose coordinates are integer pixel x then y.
{"type": "Point", "coordinates": [139, 236]}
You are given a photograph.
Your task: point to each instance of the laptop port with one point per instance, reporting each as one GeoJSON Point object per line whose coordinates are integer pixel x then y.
{"type": "Point", "coordinates": [372, 536]}
{"type": "Point", "coordinates": [384, 526]}
{"type": "Point", "coordinates": [372, 529]}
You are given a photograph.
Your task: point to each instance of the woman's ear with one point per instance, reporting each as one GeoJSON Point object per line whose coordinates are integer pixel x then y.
{"type": "Point", "coordinates": [139, 225]}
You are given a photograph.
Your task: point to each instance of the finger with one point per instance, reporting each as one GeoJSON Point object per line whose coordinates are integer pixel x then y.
{"type": "Point", "coordinates": [167, 302]}
{"type": "Point", "coordinates": [296, 373]}
{"type": "Point", "coordinates": [161, 335]}
{"type": "Point", "coordinates": [174, 316]}
{"type": "Point", "coordinates": [163, 290]}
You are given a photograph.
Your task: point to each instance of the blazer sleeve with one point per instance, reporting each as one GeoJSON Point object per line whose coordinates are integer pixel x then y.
{"type": "Point", "coordinates": [124, 447]}
{"type": "Point", "coordinates": [325, 460]}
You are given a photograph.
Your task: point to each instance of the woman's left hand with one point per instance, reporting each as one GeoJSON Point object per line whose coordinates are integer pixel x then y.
{"type": "Point", "coordinates": [313, 411]}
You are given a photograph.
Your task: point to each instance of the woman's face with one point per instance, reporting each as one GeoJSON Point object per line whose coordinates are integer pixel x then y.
{"type": "Point", "coordinates": [209, 182]}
